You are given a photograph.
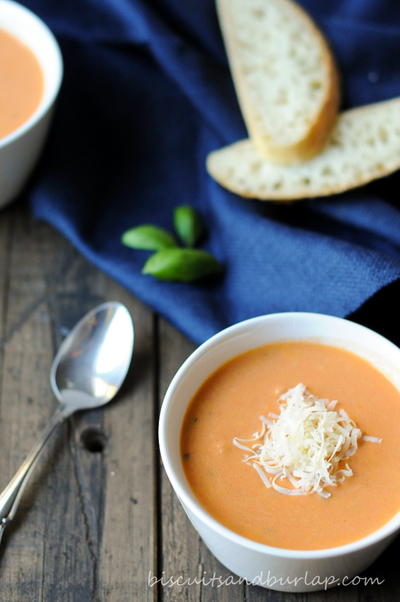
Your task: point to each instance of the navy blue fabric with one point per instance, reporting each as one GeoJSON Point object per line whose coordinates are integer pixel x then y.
{"type": "Point", "coordinates": [147, 94]}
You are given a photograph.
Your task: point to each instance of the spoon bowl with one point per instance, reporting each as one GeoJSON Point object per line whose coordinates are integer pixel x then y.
{"type": "Point", "coordinates": [94, 358]}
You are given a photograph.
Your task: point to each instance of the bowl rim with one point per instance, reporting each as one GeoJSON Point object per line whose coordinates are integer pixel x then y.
{"type": "Point", "coordinates": [387, 529]}
{"type": "Point", "coordinates": [54, 84]}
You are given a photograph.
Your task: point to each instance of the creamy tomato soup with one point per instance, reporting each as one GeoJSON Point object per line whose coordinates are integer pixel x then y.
{"type": "Point", "coordinates": [229, 405]}
{"type": "Point", "coordinates": [21, 83]}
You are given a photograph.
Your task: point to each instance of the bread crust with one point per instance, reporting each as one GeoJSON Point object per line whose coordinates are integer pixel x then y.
{"type": "Point", "coordinates": [376, 170]}
{"type": "Point", "coordinates": [323, 122]}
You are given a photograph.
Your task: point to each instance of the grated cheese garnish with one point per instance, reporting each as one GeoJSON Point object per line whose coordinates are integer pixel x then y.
{"type": "Point", "coordinates": [306, 444]}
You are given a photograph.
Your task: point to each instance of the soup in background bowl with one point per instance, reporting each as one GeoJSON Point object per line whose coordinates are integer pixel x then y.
{"type": "Point", "coordinates": [21, 83]}
{"type": "Point", "coordinates": [296, 563]}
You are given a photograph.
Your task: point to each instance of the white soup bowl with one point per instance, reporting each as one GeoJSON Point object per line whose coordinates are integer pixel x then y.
{"type": "Point", "coordinates": [276, 568]}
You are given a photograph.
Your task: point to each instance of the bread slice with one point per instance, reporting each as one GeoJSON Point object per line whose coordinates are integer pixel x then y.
{"type": "Point", "coordinates": [364, 145]}
{"type": "Point", "coordinates": [284, 75]}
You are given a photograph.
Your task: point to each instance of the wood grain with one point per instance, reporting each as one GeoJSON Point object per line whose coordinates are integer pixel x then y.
{"type": "Point", "coordinates": [84, 530]}
{"type": "Point", "coordinates": [99, 517]}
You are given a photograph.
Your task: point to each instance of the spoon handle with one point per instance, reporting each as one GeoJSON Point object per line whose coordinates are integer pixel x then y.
{"type": "Point", "coordinates": [11, 495]}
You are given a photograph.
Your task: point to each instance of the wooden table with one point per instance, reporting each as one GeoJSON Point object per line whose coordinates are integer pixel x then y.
{"type": "Point", "coordinates": [99, 516]}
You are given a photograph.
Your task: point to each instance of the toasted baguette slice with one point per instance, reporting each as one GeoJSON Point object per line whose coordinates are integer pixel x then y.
{"type": "Point", "coordinates": [284, 76]}
{"type": "Point", "coordinates": [364, 145]}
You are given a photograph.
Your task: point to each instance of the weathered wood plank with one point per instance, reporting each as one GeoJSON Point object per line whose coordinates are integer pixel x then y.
{"type": "Point", "coordinates": [129, 543]}
{"type": "Point", "coordinates": [84, 531]}
{"type": "Point", "coordinates": [27, 353]}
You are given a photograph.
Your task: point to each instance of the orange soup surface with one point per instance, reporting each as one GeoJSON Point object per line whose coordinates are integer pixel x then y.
{"type": "Point", "coordinates": [229, 404]}
{"type": "Point", "coordinates": [21, 83]}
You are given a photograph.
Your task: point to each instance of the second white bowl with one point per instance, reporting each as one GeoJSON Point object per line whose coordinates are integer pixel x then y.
{"type": "Point", "coordinates": [20, 150]}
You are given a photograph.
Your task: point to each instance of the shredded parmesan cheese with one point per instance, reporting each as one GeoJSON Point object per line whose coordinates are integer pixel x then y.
{"type": "Point", "coordinates": [306, 445]}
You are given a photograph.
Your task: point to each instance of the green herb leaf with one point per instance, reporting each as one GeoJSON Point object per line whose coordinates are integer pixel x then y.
{"type": "Point", "coordinates": [183, 265]}
{"type": "Point", "coordinates": [188, 224]}
{"type": "Point", "coordinates": [148, 238]}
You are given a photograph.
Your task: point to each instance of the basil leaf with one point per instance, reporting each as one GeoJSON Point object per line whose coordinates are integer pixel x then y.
{"type": "Point", "coordinates": [188, 224]}
{"type": "Point", "coordinates": [148, 238]}
{"type": "Point", "coordinates": [183, 265]}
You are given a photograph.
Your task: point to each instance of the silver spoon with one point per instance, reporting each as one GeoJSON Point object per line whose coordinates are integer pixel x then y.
{"type": "Point", "coordinates": [86, 373]}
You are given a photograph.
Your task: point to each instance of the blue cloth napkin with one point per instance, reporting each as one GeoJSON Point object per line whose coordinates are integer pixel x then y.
{"type": "Point", "coordinates": [147, 94]}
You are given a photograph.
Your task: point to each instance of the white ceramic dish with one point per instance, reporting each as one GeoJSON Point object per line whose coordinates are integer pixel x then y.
{"type": "Point", "coordinates": [269, 566]}
{"type": "Point", "coordinates": [20, 150]}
